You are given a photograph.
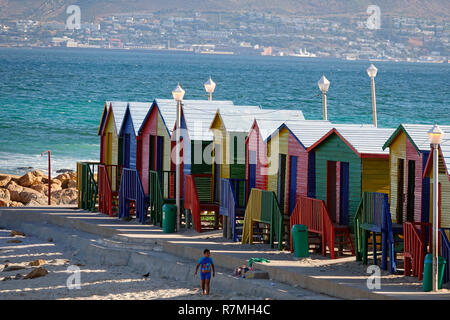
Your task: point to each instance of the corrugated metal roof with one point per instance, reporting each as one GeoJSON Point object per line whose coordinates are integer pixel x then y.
{"type": "Point", "coordinates": [118, 108]}
{"type": "Point", "coordinates": [419, 134]}
{"type": "Point", "coordinates": [198, 115]}
{"type": "Point", "coordinates": [138, 112]}
{"type": "Point", "coordinates": [309, 131]}
{"type": "Point", "coordinates": [366, 139]}
{"type": "Point", "coordinates": [445, 147]}
{"type": "Point", "coordinates": [268, 119]}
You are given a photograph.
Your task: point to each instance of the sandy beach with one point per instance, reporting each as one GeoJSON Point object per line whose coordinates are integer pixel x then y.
{"type": "Point", "coordinates": [98, 282]}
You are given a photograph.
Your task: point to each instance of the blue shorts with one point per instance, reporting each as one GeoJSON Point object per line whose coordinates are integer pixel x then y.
{"type": "Point", "coordinates": [204, 276]}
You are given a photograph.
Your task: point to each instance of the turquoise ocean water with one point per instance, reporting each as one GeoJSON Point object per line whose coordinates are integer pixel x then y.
{"type": "Point", "coordinates": [53, 98]}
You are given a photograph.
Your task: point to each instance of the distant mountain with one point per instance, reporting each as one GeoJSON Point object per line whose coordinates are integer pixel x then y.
{"type": "Point", "coordinates": [52, 9]}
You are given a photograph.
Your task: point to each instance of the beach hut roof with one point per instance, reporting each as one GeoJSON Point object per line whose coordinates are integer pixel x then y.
{"type": "Point", "coordinates": [241, 119]}
{"type": "Point", "coordinates": [102, 121]}
{"type": "Point", "coordinates": [305, 131]}
{"type": "Point", "coordinates": [198, 115]}
{"type": "Point", "coordinates": [365, 140]}
{"type": "Point", "coordinates": [118, 109]}
{"type": "Point", "coordinates": [417, 134]}
{"type": "Point", "coordinates": [444, 151]}
{"type": "Point", "coordinates": [138, 112]}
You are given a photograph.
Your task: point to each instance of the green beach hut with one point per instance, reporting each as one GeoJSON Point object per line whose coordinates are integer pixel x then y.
{"type": "Point", "coordinates": [350, 160]}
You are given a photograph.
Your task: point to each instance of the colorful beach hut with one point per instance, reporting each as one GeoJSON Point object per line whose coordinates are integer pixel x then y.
{"type": "Point", "coordinates": [109, 169]}
{"type": "Point", "coordinates": [86, 183]}
{"type": "Point", "coordinates": [350, 160]}
{"type": "Point", "coordinates": [155, 169]}
{"type": "Point", "coordinates": [243, 150]}
{"type": "Point", "coordinates": [409, 150]}
{"type": "Point", "coordinates": [291, 168]}
{"type": "Point", "coordinates": [100, 130]}
{"type": "Point", "coordinates": [256, 160]}
{"type": "Point", "coordinates": [230, 129]}
{"type": "Point", "coordinates": [444, 197]}
{"type": "Point", "coordinates": [443, 178]}
{"type": "Point", "coordinates": [195, 137]}
{"type": "Point", "coordinates": [110, 132]}
{"type": "Point", "coordinates": [129, 130]}
{"type": "Point", "coordinates": [231, 139]}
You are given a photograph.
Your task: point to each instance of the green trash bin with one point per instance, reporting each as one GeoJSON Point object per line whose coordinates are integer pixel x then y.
{"type": "Point", "coordinates": [428, 272]}
{"type": "Point", "coordinates": [169, 218]}
{"type": "Point", "coordinates": [300, 240]}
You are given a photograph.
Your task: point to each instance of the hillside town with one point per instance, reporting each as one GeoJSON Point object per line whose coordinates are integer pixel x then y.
{"type": "Point", "coordinates": [248, 33]}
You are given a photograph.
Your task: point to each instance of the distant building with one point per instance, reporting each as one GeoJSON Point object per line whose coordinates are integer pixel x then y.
{"type": "Point", "coordinates": [267, 51]}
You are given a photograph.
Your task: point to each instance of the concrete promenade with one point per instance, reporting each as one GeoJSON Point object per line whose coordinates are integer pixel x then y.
{"type": "Point", "coordinates": [341, 278]}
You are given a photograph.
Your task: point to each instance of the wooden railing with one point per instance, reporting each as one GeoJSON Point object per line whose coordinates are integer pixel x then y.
{"type": "Point", "coordinates": [197, 190]}
{"type": "Point", "coordinates": [415, 248]}
{"type": "Point", "coordinates": [373, 216]}
{"type": "Point", "coordinates": [87, 172]}
{"type": "Point", "coordinates": [313, 213]}
{"type": "Point", "coordinates": [106, 193]}
{"type": "Point", "coordinates": [445, 252]}
{"type": "Point", "coordinates": [156, 199]}
{"type": "Point", "coordinates": [168, 184]}
{"type": "Point", "coordinates": [131, 189]}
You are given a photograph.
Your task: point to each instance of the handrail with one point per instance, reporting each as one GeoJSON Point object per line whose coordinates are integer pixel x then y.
{"type": "Point", "coordinates": [414, 246]}
{"type": "Point", "coordinates": [92, 185]}
{"type": "Point", "coordinates": [263, 207]}
{"type": "Point", "coordinates": [105, 192]}
{"type": "Point", "coordinates": [311, 213]}
{"type": "Point", "coordinates": [445, 252]}
{"type": "Point", "coordinates": [87, 184]}
{"type": "Point", "coordinates": [192, 202]}
{"type": "Point", "coordinates": [236, 192]}
{"type": "Point", "coordinates": [156, 197]}
{"type": "Point", "coordinates": [227, 205]}
{"type": "Point", "coordinates": [114, 171]}
{"type": "Point", "coordinates": [131, 189]}
{"type": "Point", "coordinates": [167, 183]}
{"type": "Point", "coordinates": [373, 212]}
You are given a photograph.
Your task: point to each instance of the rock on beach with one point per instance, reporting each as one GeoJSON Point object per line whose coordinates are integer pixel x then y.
{"type": "Point", "coordinates": [31, 189]}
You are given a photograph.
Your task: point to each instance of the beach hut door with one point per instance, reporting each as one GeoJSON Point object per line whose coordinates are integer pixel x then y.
{"type": "Point", "coordinates": [252, 171]}
{"type": "Point", "coordinates": [126, 153]}
{"type": "Point", "coordinates": [160, 157]}
{"type": "Point", "coordinates": [331, 189]}
{"type": "Point", "coordinates": [217, 162]}
{"type": "Point", "coordinates": [411, 191]}
{"type": "Point", "coordinates": [400, 185]}
{"type": "Point", "coordinates": [281, 180]}
{"type": "Point", "coordinates": [152, 152]}
{"type": "Point", "coordinates": [292, 183]}
{"type": "Point", "coordinates": [344, 193]}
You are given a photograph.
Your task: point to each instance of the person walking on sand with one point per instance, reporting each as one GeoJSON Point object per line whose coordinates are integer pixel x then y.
{"type": "Point", "coordinates": [206, 264]}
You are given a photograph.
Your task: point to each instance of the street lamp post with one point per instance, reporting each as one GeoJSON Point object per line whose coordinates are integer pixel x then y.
{"type": "Point", "coordinates": [178, 94]}
{"type": "Point", "coordinates": [210, 85]}
{"type": "Point", "coordinates": [324, 84]}
{"type": "Point", "coordinates": [49, 176]}
{"type": "Point", "coordinates": [435, 135]}
{"type": "Point", "coordinates": [372, 73]}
